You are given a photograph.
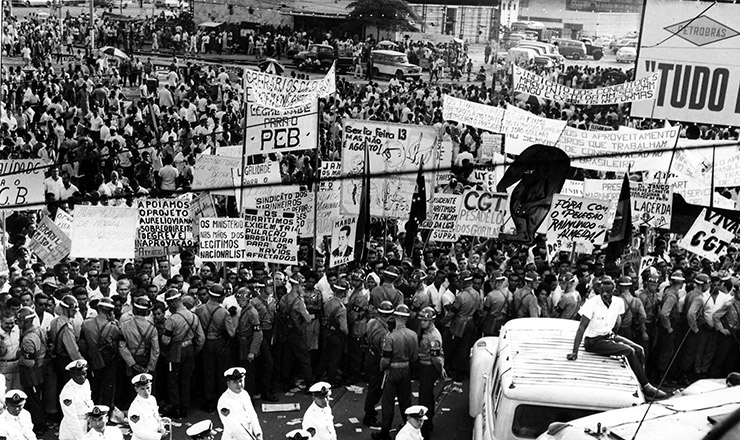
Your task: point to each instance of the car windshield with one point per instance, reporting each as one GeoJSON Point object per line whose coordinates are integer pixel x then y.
{"type": "Point", "coordinates": [532, 420]}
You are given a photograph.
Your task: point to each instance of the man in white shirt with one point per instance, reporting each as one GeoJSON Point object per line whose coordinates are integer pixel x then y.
{"type": "Point", "coordinates": [53, 183]}
{"type": "Point", "coordinates": [600, 316]}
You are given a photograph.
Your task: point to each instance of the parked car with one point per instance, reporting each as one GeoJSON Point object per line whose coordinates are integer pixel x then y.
{"type": "Point", "coordinates": [627, 54]}
{"type": "Point", "coordinates": [31, 3]}
{"type": "Point", "coordinates": [321, 57]}
{"type": "Point", "coordinates": [618, 44]}
{"type": "Point", "coordinates": [521, 382]}
{"type": "Point", "coordinates": [392, 63]}
{"type": "Point", "coordinates": [593, 49]}
{"type": "Point", "coordinates": [168, 4]}
{"type": "Point", "coordinates": [572, 49]}
{"type": "Point", "coordinates": [545, 49]}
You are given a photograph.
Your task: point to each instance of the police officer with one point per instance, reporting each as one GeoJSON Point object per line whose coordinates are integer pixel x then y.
{"type": "Point", "coordinates": [693, 311]}
{"type": "Point", "coordinates": [99, 429]}
{"type": "Point", "coordinates": [16, 419]}
{"type": "Point", "coordinates": [143, 414]}
{"type": "Point", "coordinates": [292, 315]}
{"type": "Point", "coordinates": [400, 348]}
{"type": "Point", "coordinates": [140, 347]}
{"type": "Point", "coordinates": [495, 307]}
{"type": "Point", "coordinates": [62, 341]}
{"type": "Point", "coordinates": [357, 317]}
{"type": "Point", "coordinates": [648, 295]}
{"type": "Point", "coordinates": [265, 307]}
{"type": "Point", "coordinates": [298, 434]}
{"type": "Point", "coordinates": [669, 318]}
{"type": "Point", "coordinates": [318, 419]}
{"type": "Point", "coordinates": [632, 324]}
{"type": "Point", "coordinates": [334, 331]}
{"type": "Point", "coordinates": [421, 298]}
{"type": "Point", "coordinates": [76, 401]}
{"type": "Point", "coordinates": [727, 321]}
{"type": "Point", "coordinates": [219, 326]}
{"type": "Point", "coordinates": [32, 365]}
{"type": "Point", "coordinates": [183, 335]}
{"type": "Point", "coordinates": [525, 301]}
{"type": "Point", "coordinates": [386, 291]}
{"type": "Point", "coordinates": [463, 332]}
{"type": "Point", "coordinates": [431, 364]}
{"type": "Point", "coordinates": [99, 340]}
{"type": "Point", "coordinates": [416, 418]}
{"type": "Point", "coordinates": [202, 430]}
{"type": "Point", "coordinates": [248, 335]}
{"type": "Point", "coordinates": [377, 330]}
{"type": "Point", "coordinates": [236, 411]}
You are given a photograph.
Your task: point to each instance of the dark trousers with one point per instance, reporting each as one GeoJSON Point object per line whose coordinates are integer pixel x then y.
{"type": "Point", "coordinates": [706, 349]}
{"type": "Point", "coordinates": [428, 376]}
{"type": "Point", "coordinates": [688, 353]}
{"type": "Point", "coordinates": [374, 382]}
{"type": "Point", "coordinates": [103, 383]}
{"type": "Point", "coordinates": [50, 398]}
{"type": "Point", "coordinates": [215, 360]}
{"type": "Point", "coordinates": [179, 377]}
{"type": "Point", "coordinates": [614, 345]}
{"type": "Point", "coordinates": [249, 377]}
{"type": "Point", "coordinates": [460, 349]}
{"type": "Point", "coordinates": [265, 363]}
{"type": "Point", "coordinates": [397, 385]}
{"type": "Point", "coordinates": [727, 356]}
{"type": "Point", "coordinates": [333, 346]}
{"type": "Point", "coordinates": [664, 349]}
{"type": "Point", "coordinates": [356, 356]}
{"type": "Point", "coordinates": [34, 406]}
{"type": "Point", "coordinates": [295, 351]}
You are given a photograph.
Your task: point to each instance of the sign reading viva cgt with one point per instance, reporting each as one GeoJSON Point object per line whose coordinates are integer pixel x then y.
{"type": "Point", "coordinates": [696, 50]}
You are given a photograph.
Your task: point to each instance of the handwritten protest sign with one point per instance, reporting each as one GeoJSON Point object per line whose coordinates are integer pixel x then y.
{"type": "Point", "coordinates": [328, 196]}
{"type": "Point", "coordinates": [299, 203]}
{"type": "Point", "coordinates": [64, 221]}
{"type": "Point", "coordinates": [523, 129]}
{"type": "Point", "coordinates": [213, 172]}
{"type": "Point", "coordinates": [486, 175]}
{"type": "Point", "coordinates": [49, 243]}
{"type": "Point", "coordinates": [342, 239]}
{"type": "Point", "coordinates": [165, 225]}
{"type": "Point", "coordinates": [271, 130]}
{"type": "Point", "coordinates": [651, 204]}
{"type": "Point", "coordinates": [230, 151]}
{"type": "Point", "coordinates": [604, 189]}
{"type": "Point", "coordinates": [481, 214]}
{"type": "Point", "coordinates": [642, 89]}
{"type": "Point", "coordinates": [491, 145]}
{"type": "Point", "coordinates": [472, 113]}
{"type": "Point", "coordinates": [270, 236]}
{"type": "Point", "coordinates": [444, 214]}
{"type": "Point", "coordinates": [222, 239]}
{"type": "Point", "coordinates": [22, 183]}
{"type": "Point", "coordinates": [201, 206]}
{"type": "Point", "coordinates": [283, 92]}
{"type": "Point", "coordinates": [577, 220]}
{"type": "Point", "coordinates": [104, 232]}
{"type": "Point", "coordinates": [572, 188]}
{"type": "Point", "coordinates": [392, 148]}
{"type": "Point", "coordinates": [710, 235]}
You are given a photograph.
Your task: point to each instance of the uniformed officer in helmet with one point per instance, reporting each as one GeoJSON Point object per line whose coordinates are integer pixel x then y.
{"type": "Point", "coordinates": [377, 330]}
{"type": "Point", "coordinates": [334, 331]}
{"type": "Point", "coordinates": [431, 364]}
{"type": "Point", "coordinates": [98, 420]}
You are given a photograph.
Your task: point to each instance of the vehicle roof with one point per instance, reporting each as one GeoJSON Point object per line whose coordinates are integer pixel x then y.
{"type": "Point", "coordinates": [534, 365]}
{"type": "Point", "coordinates": [388, 52]}
{"type": "Point", "coordinates": [321, 45]}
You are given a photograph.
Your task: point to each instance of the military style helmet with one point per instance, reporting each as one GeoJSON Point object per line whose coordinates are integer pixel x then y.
{"type": "Point", "coordinates": [386, 308]}
{"type": "Point", "coordinates": [427, 314]}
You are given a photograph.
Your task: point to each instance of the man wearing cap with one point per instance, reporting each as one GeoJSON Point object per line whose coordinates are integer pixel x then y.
{"type": "Point", "coordinates": [219, 326]}
{"type": "Point", "coordinates": [727, 322]}
{"type": "Point", "coordinates": [202, 430]}
{"type": "Point", "coordinates": [236, 411]}
{"type": "Point", "coordinates": [525, 301]}
{"type": "Point", "coordinates": [421, 298]}
{"type": "Point", "coordinates": [669, 315]}
{"type": "Point", "coordinates": [143, 414]}
{"type": "Point", "coordinates": [692, 314]}
{"type": "Point", "coordinates": [32, 368]}
{"type": "Point", "coordinates": [298, 434]}
{"type": "Point", "coordinates": [463, 331]}
{"type": "Point", "coordinates": [99, 339]}
{"type": "Point", "coordinates": [357, 316]}
{"type": "Point", "coordinates": [495, 306]}
{"type": "Point", "coordinates": [248, 335]}
{"type": "Point", "coordinates": [334, 331]}
{"type": "Point", "coordinates": [16, 419]}
{"type": "Point", "coordinates": [265, 307]}
{"type": "Point", "coordinates": [431, 364]}
{"type": "Point", "coordinates": [140, 347]}
{"type": "Point", "coordinates": [318, 419]}
{"type": "Point", "coordinates": [62, 343]}
{"type": "Point", "coordinates": [570, 300]}
{"type": "Point", "coordinates": [400, 348]}
{"type": "Point", "coordinates": [183, 336]}
{"type": "Point", "coordinates": [98, 421]}
{"type": "Point", "coordinates": [709, 334]}
{"type": "Point", "coordinates": [386, 291]}
{"type": "Point", "coordinates": [632, 324]}
{"type": "Point", "coordinates": [377, 330]}
{"type": "Point", "coordinates": [76, 401]}
{"type": "Point", "coordinates": [292, 316]}
{"type": "Point", "coordinates": [416, 418]}
{"type": "Point", "coordinates": [600, 316]}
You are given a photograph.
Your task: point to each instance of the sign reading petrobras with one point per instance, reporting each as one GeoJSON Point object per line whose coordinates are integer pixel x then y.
{"type": "Point", "coordinates": [696, 51]}
{"type": "Point", "coordinates": [641, 89]}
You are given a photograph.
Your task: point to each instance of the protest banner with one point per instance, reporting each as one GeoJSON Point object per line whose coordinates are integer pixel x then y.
{"type": "Point", "coordinates": [599, 127]}
{"type": "Point", "coordinates": [577, 221]}
{"type": "Point", "coordinates": [481, 214]}
{"type": "Point", "coordinates": [270, 130]}
{"type": "Point", "coordinates": [443, 236]}
{"type": "Point", "coordinates": [299, 203]}
{"type": "Point", "coordinates": [64, 221]}
{"type": "Point", "coordinates": [328, 196]}
{"type": "Point", "coordinates": [572, 188]}
{"type": "Point", "coordinates": [651, 204]}
{"type": "Point", "coordinates": [642, 89]}
{"type": "Point", "coordinates": [49, 242]}
{"type": "Point", "coordinates": [486, 175]}
{"type": "Point", "coordinates": [393, 148]}
{"type": "Point", "coordinates": [342, 239]}
{"type": "Point", "coordinates": [221, 239]}
{"type": "Point", "coordinates": [201, 206]}
{"type": "Point", "coordinates": [646, 262]}
{"type": "Point", "coordinates": [104, 232]}
{"type": "Point", "coordinates": [230, 151]}
{"type": "Point", "coordinates": [604, 189]}
{"type": "Point", "coordinates": [270, 236]}
{"type": "Point", "coordinates": [284, 92]}
{"type": "Point", "coordinates": [22, 183]}
{"type": "Point", "coordinates": [258, 174]}
{"type": "Point", "coordinates": [523, 129]}
{"type": "Point", "coordinates": [710, 235]}
{"type": "Point", "coordinates": [472, 113]}
{"type": "Point", "coordinates": [213, 172]}
{"type": "Point", "coordinates": [445, 213]}
{"type": "Point", "coordinates": [165, 225]}
{"type": "Point", "coordinates": [491, 145]}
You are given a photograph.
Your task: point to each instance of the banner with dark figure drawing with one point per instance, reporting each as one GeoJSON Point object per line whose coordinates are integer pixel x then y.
{"type": "Point", "coordinates": [539, 173]}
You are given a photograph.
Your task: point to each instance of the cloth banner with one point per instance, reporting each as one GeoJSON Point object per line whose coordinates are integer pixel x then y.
{"type": "Point", "coordinates": [271, 236]}
{"type": "Point", "coordinates": [342, 238]}
{"type": "Point", "coordinates": [328, 196]}
{"type": "Point", "coordinates": [213, 172]}
{"type": "Point", "coordinates": [572, 188]}
{"type": "Point", "coordinates": [642, 89]}
{"type": "Point", "coordinates": [104, 232]}
{"type": "Point", "coordinates": [165, 225]}
{"type": "Point", "coordinates": [221, 239]}
{"type": "Point", "coordinates": [523, 129]}
{"type": "Point", "coordinates": [710, 235]}
{"type": "Point", "coordinates": [282, 92]}
{"type": "Point", "coordinates": [22, 183]}
{"type": "Point", "coordinates": [49, 242]}
{"type": "Point", "coordinates": [472, 113]}
{"type": "Point", "coordinates": [577, 221]}
{"type": "Point", "coordinates": [651, 204]}
{"type": "Point", "coordinates": [604, 189]}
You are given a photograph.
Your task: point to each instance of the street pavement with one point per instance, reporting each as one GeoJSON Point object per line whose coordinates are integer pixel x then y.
{"type": "Point", "coordinates": [451, 420]}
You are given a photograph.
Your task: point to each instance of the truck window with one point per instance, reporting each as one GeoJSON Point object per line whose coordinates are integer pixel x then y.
{"type": "Point", "coordinates": [532, 420]}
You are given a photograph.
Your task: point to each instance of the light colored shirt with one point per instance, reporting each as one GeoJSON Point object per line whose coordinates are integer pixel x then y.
{"type": "Point", "coordinates": [602, 320]}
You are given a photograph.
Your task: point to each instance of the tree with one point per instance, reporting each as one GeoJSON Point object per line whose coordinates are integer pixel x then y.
{"type": "Point", "coordinates": [393, 15]}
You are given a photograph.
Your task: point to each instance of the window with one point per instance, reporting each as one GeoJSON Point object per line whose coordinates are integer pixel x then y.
{"type": "Point", "coordinates": [532, 420]}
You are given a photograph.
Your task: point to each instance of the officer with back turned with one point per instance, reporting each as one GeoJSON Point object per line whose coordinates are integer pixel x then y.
{"type": "Point", "coordinates": [377, 330]}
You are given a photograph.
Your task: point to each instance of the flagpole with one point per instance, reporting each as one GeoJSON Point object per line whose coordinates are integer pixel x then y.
{"type": "Point", "coordinates": [317, 182]}
{"type": "Point", "coordinates": [239, 202]}
{"type": "Point", "coordinates": [711, 192]}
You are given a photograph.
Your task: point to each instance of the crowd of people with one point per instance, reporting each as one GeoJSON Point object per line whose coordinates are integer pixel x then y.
{"type": "Point", "coordinates": [111, 133]}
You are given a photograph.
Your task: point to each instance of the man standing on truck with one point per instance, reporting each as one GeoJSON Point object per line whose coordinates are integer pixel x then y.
{"type": "Point", "coordinates": [600, 316]}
